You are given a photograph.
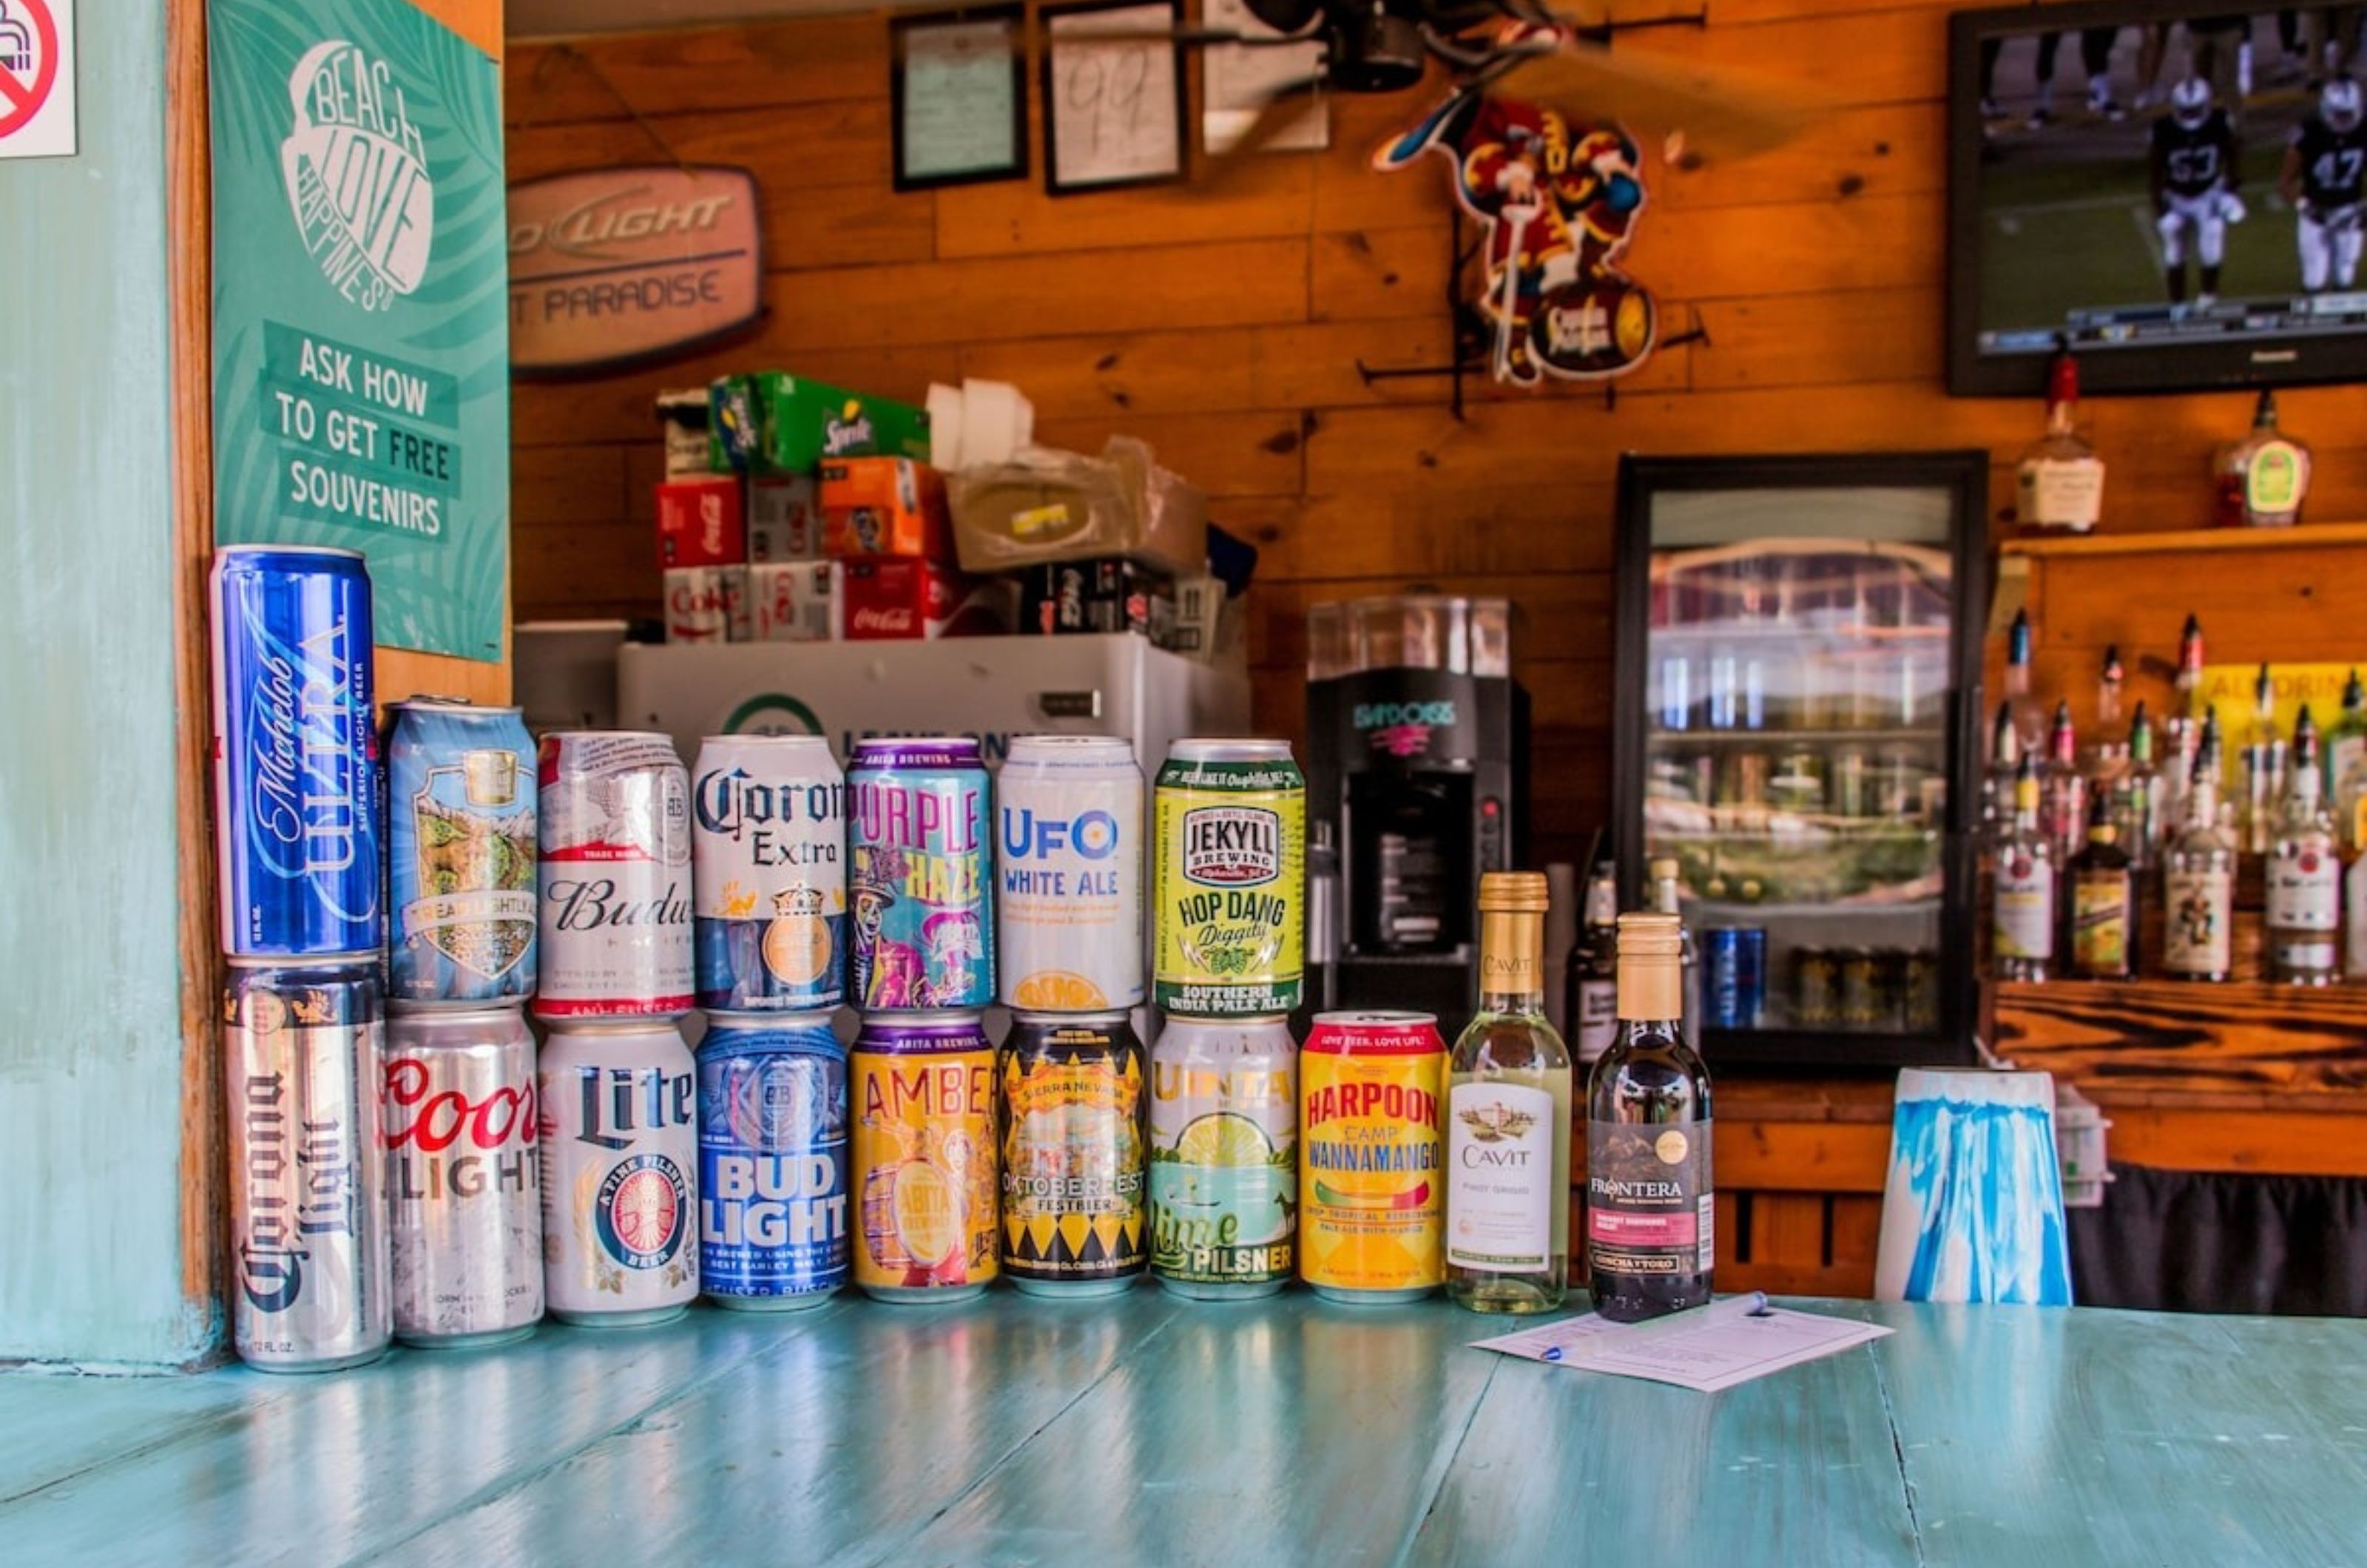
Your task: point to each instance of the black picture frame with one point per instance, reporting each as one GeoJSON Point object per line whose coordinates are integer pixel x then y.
{"type": "Point", "coordinates": [899, 29]}
{"type": "Point", "coordinates": [1046, 66]}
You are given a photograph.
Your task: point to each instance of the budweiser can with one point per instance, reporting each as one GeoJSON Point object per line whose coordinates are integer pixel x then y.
{"type": "Point", "coordinates": [1374, 1198]}
{"type": "Point", "coordinates": [460, 853]}
{"type": "Point", "coordinates": [923, 1094]}
{"type": "Point", "coordinates": [619, 1101]}
{"type": "Point", "coordinates": [1072, 1201]}
{"type": "Point", "coordinates": [301, 1050]}
{"type": "Point", "coordinates": [1069, 874]}
{"type": "Point", "coordinates": [772, 1160]}
{"type": "Point", "coordinates": [463, 1175]}
{"type": "Point", "coordinates": [1224, 1156]}
{"type": "Point", "coordinates": [769, 846]}
{"type": "Point", "coordinates": [615, 878]}
{"type": "Point", "coordinates": [919, 876]}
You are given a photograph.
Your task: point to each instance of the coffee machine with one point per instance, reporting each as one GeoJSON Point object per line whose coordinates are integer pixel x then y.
{"type": "Point", "coordinates": [1417, 766]}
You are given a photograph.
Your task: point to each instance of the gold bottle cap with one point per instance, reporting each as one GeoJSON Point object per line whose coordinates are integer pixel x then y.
{"type": "Point", "coordinates": [1513, 893]}
{"type": "Point", "coordinates": [1650, 936]}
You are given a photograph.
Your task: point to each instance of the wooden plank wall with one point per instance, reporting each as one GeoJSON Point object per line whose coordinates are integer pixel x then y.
{"type": "Point", "coordinates": [1227, 329]}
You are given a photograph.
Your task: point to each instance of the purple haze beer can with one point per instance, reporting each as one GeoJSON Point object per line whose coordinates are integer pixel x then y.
{"type": "Point", "coordinates": [619, 1103]}
{"type": "Point", "coordinates": [920, 875]}
{"type": "Point", "coordinates": [460, 853]}
{"type": "Point", "coordinates": [301, 1048]}
{"type": "Point", "coordinates": [463, 1176]}
{"type": "Point", "coordinates": [772, 1160]}
{"type": "Point", "coordinates": [615, 875]}
{"type": "Point", "coordinates": [296, 782]}
{"type": "Point", "coordinates": [768, 853]}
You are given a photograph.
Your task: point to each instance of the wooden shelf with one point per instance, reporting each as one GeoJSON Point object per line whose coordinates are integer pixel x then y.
{"type": "Point", "coordinates": [2289, 1043]}
{"type": "Point", "coordinates": [2182, 541]}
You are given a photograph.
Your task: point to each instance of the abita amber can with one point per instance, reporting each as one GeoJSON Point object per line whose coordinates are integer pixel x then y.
{"type": "Point", "coordinates": [922, 1092]}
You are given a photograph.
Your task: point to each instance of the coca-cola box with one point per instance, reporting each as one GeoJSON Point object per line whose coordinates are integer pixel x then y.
{"type": "Point", "coordinates": [893, 598]}
{"type": "Point", "coordinates": [701, 522]}
{"type": "Point", "coordinates": [708, 603]}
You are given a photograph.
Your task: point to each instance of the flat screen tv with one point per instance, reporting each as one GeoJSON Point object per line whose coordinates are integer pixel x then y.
{"type": "Point", "coordinates": [2174, 193]}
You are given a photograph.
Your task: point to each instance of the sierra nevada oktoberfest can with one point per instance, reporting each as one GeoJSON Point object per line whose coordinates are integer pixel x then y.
{"type": "Point", "coordinates": [1069, 874]}
{"type": "Point", "coordinates": [920, 875]}
{"type": "Point", "coordinates": [460, 853]}
{"type": "Point", "coordinates": [1073, 1214]}
{"type": "Point", "coordinates": [923, 1099]}
{"type": "Point", "coordinates": [1231, 867]}
{"type": "Point", "coordinates": [769, 846]}
{"type": "Point", "coordinates": [772, 1160]}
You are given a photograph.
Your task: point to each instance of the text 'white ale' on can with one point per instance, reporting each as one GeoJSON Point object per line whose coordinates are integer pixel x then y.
{"type": "Point", "coordinates": [1068, 871]}
{"type": "Point", "coordinates": [1224, 1157]}
{"type": "Point", "coordinates": [463, 1177]}
{"type": "Point", "coordinates": [769, 851]}
{"type": "Point", "coordinates": [619, 1106]}
{"type": "Point", "coordinates": [614, 877]}
{"type": "Point", "coordinates": [301, 1048]}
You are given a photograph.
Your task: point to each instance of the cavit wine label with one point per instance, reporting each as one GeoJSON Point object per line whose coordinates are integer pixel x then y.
{"type": "Point", "coordinates": [356, 168]}
{"type": "Point", "coordinates": [1231, 846]}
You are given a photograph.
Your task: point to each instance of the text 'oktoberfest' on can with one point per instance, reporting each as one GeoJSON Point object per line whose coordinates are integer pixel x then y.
{"type": "Point", "coordinates": [920, 877]}
{"type": "Point", "coordinates": [1224, 1156]}
{"type": "Point", "coordinates": [923, 1098]}
{"type": "Point", "coordinates": [460, 853]}
{"type": "Point", "coordinates": [772, 1160]}
{"type": "Point", "coordinates": [616, 876]}
{"type": "Point", "coordinates": [1229, 851]}
{"type": "Point", "coordinates": [1069, 874]}
{"type": "Point", "coordinates": [769, 846]}
{"type": "Point", "coordinates": [619, 1103]}
{"type": "Point", "coordinates": [296, 775]}
{"type": "Point", "coordinates": [1074, 1218]}
{"type": "Point", "coordinates": [1371, 1185]}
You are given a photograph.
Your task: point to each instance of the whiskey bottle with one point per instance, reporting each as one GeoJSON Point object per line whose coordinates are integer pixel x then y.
{"type": "Point", "coordinates": [2061, 479]}
{"type": "Point", "coordinates": [2264, 477]}
{"type": "Point", "coordinates": [2199, 886]}
{"type": "Point", "coordinates": [2303, 877]}
{"type": "Point", "coordinates": [1591, 990]}
{"type": "Point", "coordinates": [2101, 910]}
{"type": "Point", "coordinates": [2021, 932]}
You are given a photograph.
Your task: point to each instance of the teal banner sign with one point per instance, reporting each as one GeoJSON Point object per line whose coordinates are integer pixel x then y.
{"type": "Point", "coordinates": [360, 326]}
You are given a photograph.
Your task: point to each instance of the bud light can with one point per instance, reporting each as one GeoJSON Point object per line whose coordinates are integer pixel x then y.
{"type": "Point", "coordinates": [772, 1160]}
{"type": "Point", "coordinates": [302, 1061]}
{"type": "Point", "coordinates": [1068, 871]}
{"type": "Point", "coordinates": [919, 876]}
{"type": "Point", "coordinates": [463, 1176]}
{"type": "Point", "coordinates": [614, 877]}
{"type": "Point", "coordinates": [923, 1094]}
{"type": "Point", "coordinates": [1073, 1212]}
{"type": "Point", "coordinates": [1224, 1157]}
{"type": "Point", "coordinates": [620, 1102]}
{"type": "Point", "coordinates": [769, 846]}
{"type": "Point", "coordinates": [296, 783]}
{"type": "Point", "coordinates": [460, 854]}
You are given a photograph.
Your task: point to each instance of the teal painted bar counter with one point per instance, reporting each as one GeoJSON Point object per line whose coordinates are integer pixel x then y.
{"type": "Point", "coordinates": [1145, 1430]}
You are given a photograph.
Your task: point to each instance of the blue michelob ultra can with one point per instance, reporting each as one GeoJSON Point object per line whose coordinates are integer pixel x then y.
{"type": "Point", "coordinates": [1734, 976]}
{"type": "Point", "coordinates": [460, 853]}
{"type": "Point", "coordinates": [920, 875]}
{"type": "Point", "coordinates": [296, 779]}
{"type": "Point", "coordinates": [772, 1161]}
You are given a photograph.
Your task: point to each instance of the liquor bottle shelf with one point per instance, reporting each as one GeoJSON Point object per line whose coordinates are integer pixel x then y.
{"type": "Point", "coordinates": [2186, 540]}
{"type": "Point", "coordinates": [1772, 736]}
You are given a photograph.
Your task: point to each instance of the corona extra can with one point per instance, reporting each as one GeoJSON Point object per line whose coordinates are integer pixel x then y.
{"type": "Point", "coordinates": [1224, 1156]}
{"type": "Point", "coordinates": [1370, 1175]}
{"type": "Point", "coordinates": [1069, 874]}
{"type": "Point", "coordinates": [619, 1099]}
{"type": "Point", "coordinates": [772, 1160]}
{"type": "Point", "coordinates": [1073, 1210]}
{"type": "Point", "coordinates": [925, 1178]}
{"type": "Point", "coordinates": [460, 854]}
{"type": "Point", "coordinates": [919, 876]}
{"type": "Point", "coordinates": [769, 851]}
{"type": "Point", "coordinates": [1232, 868]}
{"type": "Point", "coordinates": [615, 874]}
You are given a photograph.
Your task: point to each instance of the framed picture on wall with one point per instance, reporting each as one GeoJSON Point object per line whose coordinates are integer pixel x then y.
{"type": "Point", "coordinates": [958, 95]}
{"type": "Point", "coordinates": [1114, 110]}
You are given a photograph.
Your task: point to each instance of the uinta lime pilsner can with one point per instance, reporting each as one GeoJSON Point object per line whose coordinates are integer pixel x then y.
{"type": "Point", "coordinates": [923, 1088]}
{"type": "Point", "coordinates": [1073, 1215]}
{"type": "Point", "coordinates": [1224, 1156]}
{"type": "Point", "coordinates": [1371, 1184]}
{"type": "Point", "coordinates": [1230, 848]}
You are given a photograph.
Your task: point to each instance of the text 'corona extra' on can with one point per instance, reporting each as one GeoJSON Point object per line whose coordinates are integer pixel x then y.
{"type": "Point", "coordinates": [1230, 858]}
{"type": "Point", "coordinates": [302, 1048]}
{"type": "Point", "coordinates": [619, 1099]}
{"type": "Point", "coordinates": [1073, 1214]}
{"type": "Point", "coordinates": [769, 846]}
{"type": "Point", "coordinates": [1370, 1182]}
{"type": "Point", "coordinates": [922, 1097]}
{"type": "Point", "coordinates": [919, 881]}
{"type": "Point", "coordinates": [1224, 1156]}
{"type": "Point", "coordinates": [296, 782]}
{"type": "Point", "coordinates": [1069, 874]}
{"type": "Point", "coordinates": [460, 853]}
{"type": "Point", "coordinates": [463, 1176]}
{"type": "Point", "coordinates": [615, 872]}
{"type": "Point", "coordinates": [772, 1160]}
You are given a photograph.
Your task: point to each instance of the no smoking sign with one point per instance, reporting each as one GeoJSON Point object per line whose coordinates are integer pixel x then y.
{"type": "Point", "coordinates": [37, 78]}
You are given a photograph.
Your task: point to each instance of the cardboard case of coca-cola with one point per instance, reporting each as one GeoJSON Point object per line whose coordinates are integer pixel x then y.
{"type": "Point", "coordinates": [701, 522]}
{"type": "Point", "coordinates": [891, 600]}
{"type": "Point", "coordinates": [800, 601]}
{"type": "Point", "coordinates": [707, 603]}
{"type": "Point", "coordinates": [783, 521]}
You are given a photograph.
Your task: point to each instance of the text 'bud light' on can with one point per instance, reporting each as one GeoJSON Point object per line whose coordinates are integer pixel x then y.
{"type": "Point", "coordinates": [1069, 874]}
{"type": "Point", "coordinates": [302, 1065]}
{"type": "Point", "coordinates": [772, 1160]}
{"type": "Point", "coordinates": [1073, 1212]}
{"type": "Point", "coordinates": [920, 877]}
{"type": "Point", "coordinates": [463, 1176]}
{"type": "Point", "coordinates": [620, 1102]}
{"type": "Point", "coordinates": [460, 853]}
{"type": "Point", "coordinates": [768, 847]}
{"type": "Point", "coordinates": [1230, 858]}
{"type": "Point", "coordinates": [922, 1093]}
{"type": "Point", "coordinates": [615, 872]}
{"type": "Point", "coordinates": [1224, 1156]}
{"type": "Point", "coordinates": [1371, 1186]}
{"type": "Point", "coordinates": [296, 784]}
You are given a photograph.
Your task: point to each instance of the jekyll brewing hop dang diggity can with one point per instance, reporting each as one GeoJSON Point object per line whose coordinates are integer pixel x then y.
{"type": "Point", "coordinates": [460, 853]}
{"type": "Point", "coordinates": [1069, 874]}
{"type": "Point", "coordinates": [1224, 1156]}
{"type": "Point", "coordinates": [772, 1160]}
{"type": "Point", "coordinates": [615, 872]}
{"type": "Point", "coordinates": [923, 1094]}
{"type": "Point", "coordinates": [1232, 868]}
{"type": "Point", "coordinates": [920, 875]}
{"type": "Point", "coordinates": [1369, 1169]}
{"type": "Point", "coordinates": [769, 846]}
{"type": "Point", "coordinates": [1072, 1123]}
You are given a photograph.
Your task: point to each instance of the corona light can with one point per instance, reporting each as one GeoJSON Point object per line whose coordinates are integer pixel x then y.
{"type": "Point", "coordinates": [924, 1178]}
{"type": "Point", "coordinates": [1073, 1214]}
{"type": "Point", "coordinates": [920, 875]}
{"type": "Point", "coordinates": [772, 1160]}
{"type": "Point", "coordinates": [1069, 872]}
{"type": "Point", "coordinates": [1370, 1175]}
{"type": "Point", "coordinates": [1224, 1157]}
{"type": "Point", "coordinates": [769, 851]}
{"type": "Point", "coordinates": [1231, 872]}
{"type": "Point", "coordinates": [460, 854]}
{"type": "Point", "coordinates": [615, 874]}
{"type": "Point", "coordinates": [619, 1100]}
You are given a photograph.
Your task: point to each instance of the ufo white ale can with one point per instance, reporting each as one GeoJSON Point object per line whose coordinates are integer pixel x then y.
{"type": "Point", "coordinates": [620, 1102]}
{"type": "Point", "coordinates": [1069, 874]}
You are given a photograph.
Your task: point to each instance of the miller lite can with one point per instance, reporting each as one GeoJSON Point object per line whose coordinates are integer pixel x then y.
{"type": "Point", "coordinates": [768, 853]}
{"type": "Point", "coordinates": [463, 1175]}
{"type": "Point", "coordinates": [1069, 874]}
{"type": "Point", "coordinates": [620, 1102]}
{"type": "Point", "coordinates": [772, 1161]}
{"type": "Point", "coordinates": [614, 877]}
{"type": "Point", "coordinates": [301, 1049]}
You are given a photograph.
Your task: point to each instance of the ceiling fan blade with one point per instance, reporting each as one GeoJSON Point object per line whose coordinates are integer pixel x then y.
{"type": "Point", "coordinates": [1717, 114]}
{"type": "Point", "coordinates": [1290, 103]}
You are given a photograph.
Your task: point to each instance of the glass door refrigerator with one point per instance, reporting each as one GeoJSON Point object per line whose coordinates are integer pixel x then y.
{"type": "Point", "coordinates": [1797, 731]}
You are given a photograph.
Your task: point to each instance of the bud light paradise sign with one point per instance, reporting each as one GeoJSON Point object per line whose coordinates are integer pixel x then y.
{"type": "Point", "coordinates": [361, 374]}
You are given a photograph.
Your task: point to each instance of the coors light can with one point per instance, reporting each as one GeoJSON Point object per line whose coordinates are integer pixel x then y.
{"type": "Point", "coordinates": [619, 1104]}
{"type": "Point", "coordinates": [463, 1177]}
{"type": "Point", "coordinates": [300, 1060]}
{"type": "Point", "coordinates": [615, 874]}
